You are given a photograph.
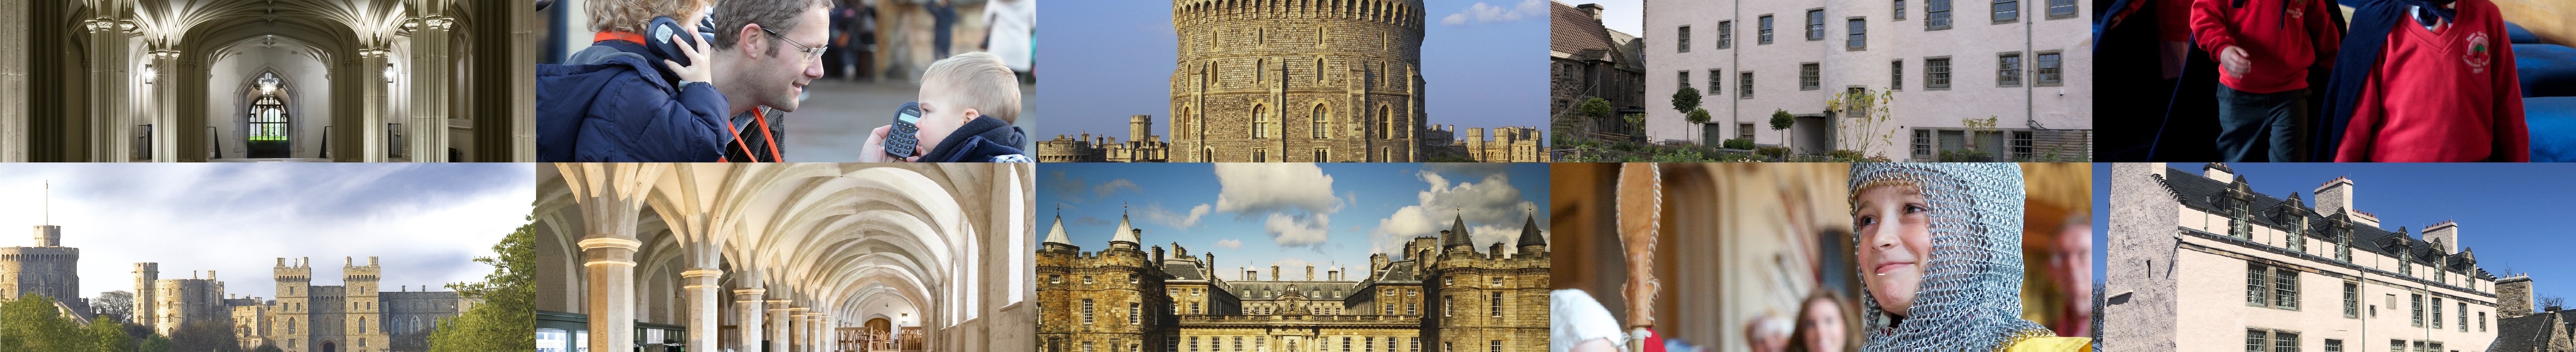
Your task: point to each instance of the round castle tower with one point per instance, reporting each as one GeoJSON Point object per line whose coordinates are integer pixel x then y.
{"type": "Point", "coordinates": [1297, 80]}
{"type": "Point", "coordinates": [46, 268]}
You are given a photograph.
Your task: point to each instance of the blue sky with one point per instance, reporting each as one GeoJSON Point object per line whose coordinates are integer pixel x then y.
{"type": "Point", "coordinates": [2508, 213]}
{"type": "Point", "coordinates": [1290, 214]}
{"type": "Point", "coordinates": [1487, 70]}
{"type": "Point", "coordinates": [426, 222]}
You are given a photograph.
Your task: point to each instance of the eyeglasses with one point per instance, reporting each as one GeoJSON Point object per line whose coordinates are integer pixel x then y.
{"type": "Point", "coordinates": [811, 53]}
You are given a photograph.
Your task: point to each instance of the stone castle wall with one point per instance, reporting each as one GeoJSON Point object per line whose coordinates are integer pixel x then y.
{"type": "Point", "coordinates": [1358, 67]}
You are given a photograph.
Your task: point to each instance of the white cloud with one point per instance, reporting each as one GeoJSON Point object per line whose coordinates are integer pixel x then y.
{"type": "Point", "coordinates": [1268, 187]}
{"type": "Point", "coordinates": [1492, 208]}
{"type": "Point", "coordinates": [1295, 201]}
{"type": "Point", "coordinates": [1297, 230]}
{"type": "Point", "coordinates": [1230, 244]}
{"type": "Point", "coordinates": [1485, 13]}
{"type": "Point", "coordinates": [1155, 213]}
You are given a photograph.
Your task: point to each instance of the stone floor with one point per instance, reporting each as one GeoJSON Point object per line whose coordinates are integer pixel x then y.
{"type": "Point", "coordinates": [836, 115]}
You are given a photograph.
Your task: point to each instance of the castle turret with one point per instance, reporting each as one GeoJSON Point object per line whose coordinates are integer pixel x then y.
{"type": "Point", "coordinates": [364, 323]}
{"type": "Point", "coordinates": [49, 236]}
{"type": "Point", "coordinates": [1056, 241]}
{"type": "Point", "coordinates": [144, 275]}
{"type": "Point", "coordinates": [1128, 235]}
{"type": "Point", "coordinates": [1140, 128]}
{"type": "Point", "coordinates": [1531, 241]}
{"type": "Point", "coordinates": [1457, 238]}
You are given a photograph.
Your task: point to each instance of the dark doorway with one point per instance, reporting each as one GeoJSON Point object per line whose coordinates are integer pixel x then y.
{"type": "Point", "coordinates": [327, 346]}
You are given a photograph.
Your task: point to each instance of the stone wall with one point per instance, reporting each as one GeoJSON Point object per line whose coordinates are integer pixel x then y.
{"type": "Point", "coordinates": [1275, 69]}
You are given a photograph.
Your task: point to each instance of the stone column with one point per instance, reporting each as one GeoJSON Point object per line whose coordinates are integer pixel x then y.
{"type": "Point", "coordinates": [109, 82]}
{"type": "Point", "coordinates": [802, 327]}
{"type": "Point", "coordinates": [429, 94]}
{"type": "Point", "coordinates": [609, 221]}
{"type": "Point", "coordinates": [778, 328]}
{"type": "Point", "coordinates": [825, 336]}
{"type": "Point", "coordinates": [13, 79]}
{"type": "Point", "coordinates": [703, 297]}
{"type": "Point", "coordinates": [165, 102]}
{"type": "Point", "coordinates": [751, 308]}
{"type": "Point", "coordinates": [373, 74]}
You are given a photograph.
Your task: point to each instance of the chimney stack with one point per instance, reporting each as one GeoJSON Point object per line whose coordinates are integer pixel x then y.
{"type": "Point", "coordinates": [1310, 272]}
{"type": "Point", "coordinates": [1274, 271]}
{"type": "Point", "coordinates": [2513, 296]}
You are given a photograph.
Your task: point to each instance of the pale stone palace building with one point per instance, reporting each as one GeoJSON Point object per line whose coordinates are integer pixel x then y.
{"type": "Point", "coordinates": [2199, 256]}
{"type": "Point", "coordinates": [352, 317]}
{"type": "Point", "coordinates": [1443, 296]}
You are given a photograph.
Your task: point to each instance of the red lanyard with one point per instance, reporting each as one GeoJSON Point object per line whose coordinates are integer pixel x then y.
{"type": "Point", "coordinates": [758, 115]}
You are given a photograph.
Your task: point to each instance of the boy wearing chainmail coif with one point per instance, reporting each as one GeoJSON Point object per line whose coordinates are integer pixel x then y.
{"type": "Point", "coordinates": [1940, 259]}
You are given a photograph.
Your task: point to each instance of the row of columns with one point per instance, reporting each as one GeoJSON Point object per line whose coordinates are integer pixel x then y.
{"type": "Point", "coordinates": [785, 325]}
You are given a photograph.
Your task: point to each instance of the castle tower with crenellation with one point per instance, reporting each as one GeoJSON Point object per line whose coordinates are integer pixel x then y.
{"type": "Point", "coordinates": [1297, 81]}
{"type": "Point", "coordinates": [47, 268]}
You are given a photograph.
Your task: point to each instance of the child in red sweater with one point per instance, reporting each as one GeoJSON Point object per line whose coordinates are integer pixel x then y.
{"type": "Point", "coordinates": [2442, 87]}
{"type": "Point", "coordinates": [2264, 49]}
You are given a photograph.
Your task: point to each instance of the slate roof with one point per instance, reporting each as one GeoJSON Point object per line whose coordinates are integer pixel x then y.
{"type": "Point", "coordinates": [1183, 271]}
{"type": "Point", "coordinates": [1254, 289]}
{"type": "Point", "coordinates": [2201, 192]}
{"type": "Point", "coordinates": [2525, 332]}
{"type": "Point", "coordinates": [1572, 31]}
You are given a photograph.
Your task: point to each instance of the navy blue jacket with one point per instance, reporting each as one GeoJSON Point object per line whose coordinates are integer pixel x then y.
{"type": "Point", "coordinates": [612, 102]}
{"type": "Point", "coordinates": [984, 139]}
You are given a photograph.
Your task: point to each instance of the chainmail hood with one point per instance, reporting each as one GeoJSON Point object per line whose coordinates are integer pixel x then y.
{"type": "Point", "coordinates": [1970, 298]}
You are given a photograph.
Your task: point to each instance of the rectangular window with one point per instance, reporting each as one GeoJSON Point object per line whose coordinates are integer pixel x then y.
{"type": "Point", "coordinates": [1132, 318]}
{"type": "Point", "coordinates": [1858, 39]}
{"type": "Point", "coordinates": [1416, 343]}
{"type": "Point", "coordinates": [1497, 346]}
{"type": "Point", "coordinates": [1900, 10]}
{"type": "Point", "coordinates": [2437, 312]}
{"type": "Point", "coordinates": [1936, 73]}
{"type": "Point", "coordinates": [2007, 10]}
{"type": "Point", "coordinates": [1809, 76]}
{"type": "Point", "coordinates": [1744, 85]}
{"type": "Point", "coordinates": [2418, 303]}
{"type": "Point", "coordinates": [2333, 345]}
{"type": "Point", "coordinates": [1683, 40]}
{"type": "Point", "coordinates": [1497, 281]}
{"type": "Point", "coordinates": [1922, 144]}
{"type": "Point", "coordinates": [1368, 344]}
{"type": "Point", "coordinates": [2464, 313]}
{"type": "Point", "coordinates": [1936, 15]}
{"type": "Point", "coordinates": [2048, 73]}
{"type": "Point", "coordinates": [2256, 340]}
{"type": "Point", "coordinates": [1744, 130]}
{"type": "Point", "coordinates": [1196, 307]}
{"type": "Point", "coordinates": [1815, 24]}
{"type": "Point", "coordinates": [1896, 75]}
{"type": "Point", "coordinates": [2061, 8]}
{"type": "Point", "coordinates": [1725, 34]}
{"type": "Point", "coordinates": [2285, 288]}
{"type": "Point", "coordinates": [1765, 35]}
{"type": "Point", "coordinates": [1390, 308]}
{"type": "Point", "coordinates": [1682, 78]}
{"type": "Point", "coordinates": [1408, 308]}
{"type": "Point", "coordinates": [1086, 346]}
{"type": "Point", "coordinates": [2351, 300]}
{"type": "Point", "coordinates": [1346, 344]}
{"type": "Point", "coordinates": [2396, 345]}
{"type": "Point", "coordinates": [1496, 304]}
{"type": "Point", "coordinates": [1714, 77]}
{"type": "Point", "coordinates": [2008, 69]}
{"type": "Point", "coordinates": [2482, 321]}
{"type": "Point", "coordinates": [1086, 311]}
{"type": "Point", "coordinates": [2258, 283]}
{"type": "Point", "coordinates": [1321, 154]}
{"type": "Point", "coordinates": [2284, 341]}
{"type": "Point", "coordinates": [1447, 306]}
{"type": "Point", "coordinates": [1194, 343]}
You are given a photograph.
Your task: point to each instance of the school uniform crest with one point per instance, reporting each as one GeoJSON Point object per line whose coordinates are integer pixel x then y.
{"type": "Point", "coordinates": [2477, 56]}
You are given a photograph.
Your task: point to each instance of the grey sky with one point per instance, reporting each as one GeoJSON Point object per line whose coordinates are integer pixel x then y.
{"type": "Point", "coordinates": [426, 222]}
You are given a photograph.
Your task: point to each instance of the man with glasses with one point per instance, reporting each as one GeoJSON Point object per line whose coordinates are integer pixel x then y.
{"type": "Point", "coordinates": [765, 52]}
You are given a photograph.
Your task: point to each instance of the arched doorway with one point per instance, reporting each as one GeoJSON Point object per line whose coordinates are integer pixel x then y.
{"type": "Point", "coordinates": [879, 335]}
{"type": "Point", "coordinates": [266, 122]}
{"type": "Point", "coordinates": [328, 346]}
